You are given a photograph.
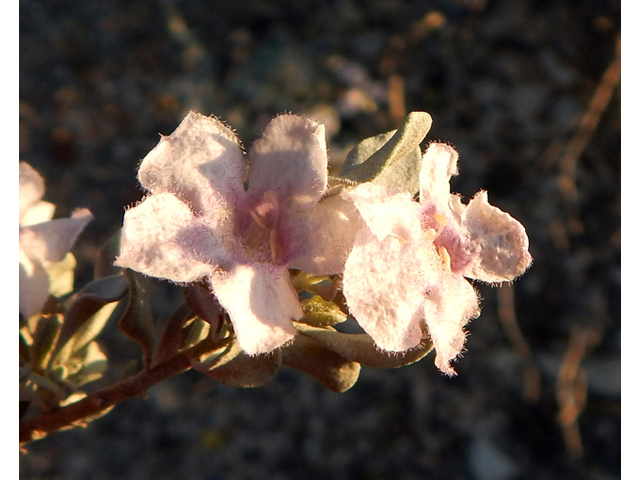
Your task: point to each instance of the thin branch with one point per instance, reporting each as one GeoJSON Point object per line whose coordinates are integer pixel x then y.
{"type": "Point", "coordinates": [588, 124]}
{"type": "Point", "coordinates": [96, 403]}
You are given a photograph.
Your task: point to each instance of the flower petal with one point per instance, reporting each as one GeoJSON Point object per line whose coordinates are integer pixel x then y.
{"type": "Point", "coordinates": [50, 241]}
{"type": "Point", "coordinates": [38, 212]}
{"type": "Point", "coordinates": [439, 164]}
{"type": "Point", "coordinates": [385, 212]}
{"type": "Point", "coordinates": [34, 286]}
{"type": "Point", "coordinates": [318, 241]}
{"type": "Point", "coordinates": [162, 238]}
{"type": "Point", "coordinates": [261, 302]}
{"type": "Point", "coordinates": [200, 162]}
{"type": "Point", "coordinates": [291, 159]}
{"type": "Point", "coordinates": [450, 304]}
{"type": "Point", "coordinates": [500, 241]}
{"type": "Point", "coordinates": [383, 285]}
{"type": "Point", "coordinates": [31, 187]}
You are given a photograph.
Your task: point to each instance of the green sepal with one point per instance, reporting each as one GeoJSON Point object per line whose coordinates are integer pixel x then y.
{"type": "Point", "coordinates": [137, 321]}
{"type": "Point", "coordinates": [320, 313]}
{"type": "Point", "coordinates": [235, 368]}
{"type": "Point", "coordinates": [391, 159]}
{"type": "Point", "coordinates": [359, 347]}
{"type": "Point", "coordinates": [311, 357]}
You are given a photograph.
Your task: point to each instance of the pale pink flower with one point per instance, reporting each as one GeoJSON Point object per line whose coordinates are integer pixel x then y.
{"type": "Point", "coordinates": [406, 271]}
{"type": "Point", "coordinates": [200, 222]}
{"type": "Point", "coordinates": [43, 242]}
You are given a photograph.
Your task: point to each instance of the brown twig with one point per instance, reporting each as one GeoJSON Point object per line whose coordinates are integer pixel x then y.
{"type": "Point", "coordinates": [507, 316]}
{"type": "Point", "coordinates": [396, 99]}
{"type": "Point", "coordinates": [588, 124]}
{"type": "Point", "coordinates": [94, 404]}
{"type": "Point", "coordinates": [571, 389]}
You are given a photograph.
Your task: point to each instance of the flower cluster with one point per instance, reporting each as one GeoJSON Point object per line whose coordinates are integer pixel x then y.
{"type": "Point", "coordinates": [242, 223]}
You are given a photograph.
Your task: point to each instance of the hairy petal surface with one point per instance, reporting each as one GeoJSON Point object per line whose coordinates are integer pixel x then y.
{"type": "Point", "coordinates": [386, 213]}
{"type": "Point", "coordinates": [200, 162]}
{"type": "Point", "coordinates": [384, 286]}
{"type": "Point", "coordinates": [451, 303]}
{"type": "Point", "coordinates": [34, 286]}
{"type": "Point", "coordinates": [261, 302]}
{"type": "Point", "coordinates": [162, 237]}
{"type": "Point", "coordinates": [290, 159]}
{"type": "Point", "coordinates": [500, 240]}
{"type": "Point", "coordinates": [439, 164]}
{"type": "Point", "coordinates": [318, 241]}
{"type": "Point", "coordinates": [31, 187]}
{"type": "Point", "coordinates": [51, 241]}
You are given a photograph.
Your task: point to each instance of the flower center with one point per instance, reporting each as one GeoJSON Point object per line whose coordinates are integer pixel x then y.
{"type": "Point", "coordinates": [262, 234]}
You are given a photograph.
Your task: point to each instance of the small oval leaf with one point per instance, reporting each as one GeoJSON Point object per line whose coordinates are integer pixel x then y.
{"type": "Point", "coordinates": [392, 159]}
{"type": "Point", "coordinates": [137, 321]}
{"type": "Point", "coordinates": [359, 347]}
{"type": "Point", "coordinates": [235, 368]}
{"type": "Point", "coordinates": [309, 356]}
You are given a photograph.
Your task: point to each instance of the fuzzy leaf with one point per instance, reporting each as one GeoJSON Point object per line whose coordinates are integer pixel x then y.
{"type": "Point", "coordinates": [87, 302]}
{"type": "Point", "coordinates": [334, 371]}
{"type": "Point", "coordinates": [170, 341]}
{"type": "Point", "coordinates": [94, 363]}
{"type": "Point", "coordinates": [235, 368]}
{"type": "Point", "coordinates": [44, 341]}
{"type": "Point", "coordinates": [85, 334]}
{"type": "Point", "coordinates": [391, 159]}
{"type": "Point", "coordinates": [203, 303]}
{"type": "Point", "coordinates": [361, 348]}
{"type": "Point", "coordinates": [137, 321]}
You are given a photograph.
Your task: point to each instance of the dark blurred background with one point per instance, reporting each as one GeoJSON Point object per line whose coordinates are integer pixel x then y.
{"type": "Point", "coordinates": [526, 90]}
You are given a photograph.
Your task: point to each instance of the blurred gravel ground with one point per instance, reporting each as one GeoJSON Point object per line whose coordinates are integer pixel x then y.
{"type": "Point", "coordinates": [506, 81]}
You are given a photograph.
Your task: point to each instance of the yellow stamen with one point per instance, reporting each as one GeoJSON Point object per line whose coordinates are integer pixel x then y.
{"type": "Point", "coordinates": [276, 249]}
{"type": "Point", "coordinates": [441, 219]}
{"type": "Point", "coordinates": [446, 258]}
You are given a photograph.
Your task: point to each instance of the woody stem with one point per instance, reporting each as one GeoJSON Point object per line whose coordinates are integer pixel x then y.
{"type": "Point", "coordinates": [136, 385]}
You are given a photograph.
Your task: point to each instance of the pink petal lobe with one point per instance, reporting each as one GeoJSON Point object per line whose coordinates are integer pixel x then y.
{"type": "Point", "coordinates": [290, 159]}
{"type": "Point", "coordinates": [318, 241]}
{"type": "Point", "coordinates": [199, 162]}
{"type": "Point", "coordinates": [261, 303]}
{"type": "Point", "coordinates": [385, 212]}
{"type": "Point", "coordinates": [31, 187]}
{"type": "Point", "coordinates": [162, 238]}
{"type": "Point", "coordinates": [383, 285]}
{"type": "Point", "coordinates": [450, 304]}
{"type": "Point", "coordinates": [51, 241]}
{"type": "Point", "coordinates": [34, 286]}
{"type": "Point", "coordinates": [439, 164]}
{"type": "Point", "coordinates": [500, 241]}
